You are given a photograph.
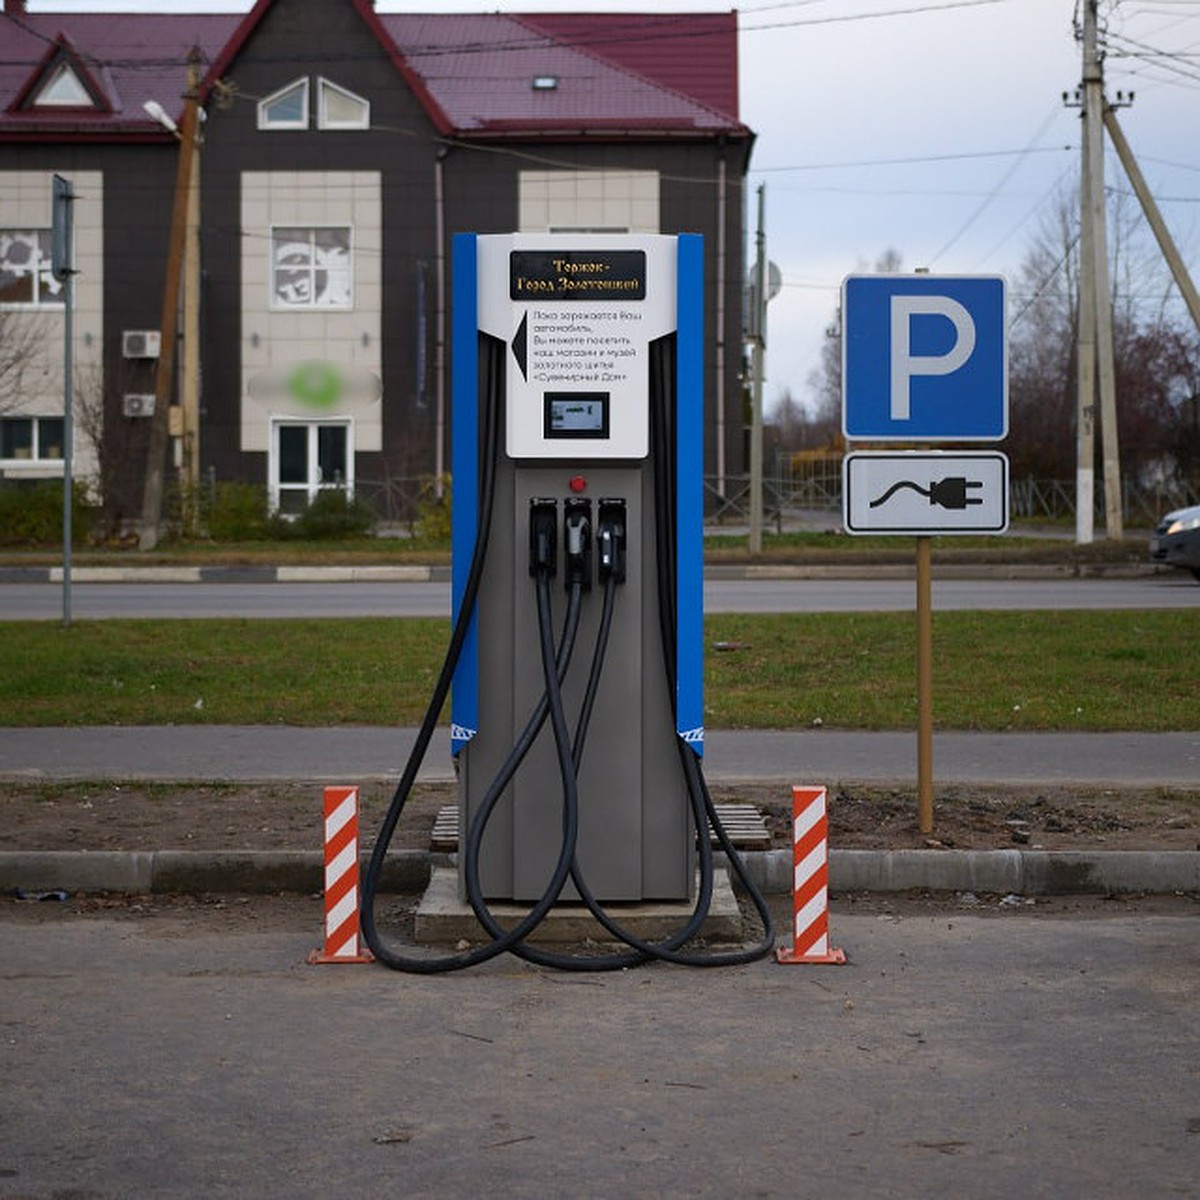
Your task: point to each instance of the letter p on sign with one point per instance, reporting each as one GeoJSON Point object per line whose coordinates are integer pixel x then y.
{"type": "Point", "coordinates": [924, 358]}
{"type": "Point", "coordinates": [905, 364]}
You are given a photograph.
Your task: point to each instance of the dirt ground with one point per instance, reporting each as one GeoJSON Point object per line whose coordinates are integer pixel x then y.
{"type": "Point", "coordinates": [106, 816]}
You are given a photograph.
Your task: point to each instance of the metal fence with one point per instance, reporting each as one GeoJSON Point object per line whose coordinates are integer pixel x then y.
{"type": "Point", "coordinates": [816, 483]}
{"type": "Point", "coordinates": [400, 499]}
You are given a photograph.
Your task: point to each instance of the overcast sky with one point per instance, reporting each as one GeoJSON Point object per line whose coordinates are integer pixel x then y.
{"type": "Point", "coordinates": [934, 128]}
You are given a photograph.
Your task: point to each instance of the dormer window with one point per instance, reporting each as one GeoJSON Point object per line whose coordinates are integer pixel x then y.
{"type": "Point", "coordinates": [338, 108]}
{"type": "Point", "coordinates": [62, 89]}
{"type": "Point", "coordinates": [61, 81]}
{"type": "Point", "coordinates": [286, 108]}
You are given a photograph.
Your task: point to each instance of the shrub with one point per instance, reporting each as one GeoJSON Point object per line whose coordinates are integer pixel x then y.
{"type": "Point", "coordinates": [433, 513]}
{"type": "Point", "coordinates": [31, 514]}
{"type": "Point", "coordinates": [330, 516]}
{"type": "Point", "coordinates": [237, 512]}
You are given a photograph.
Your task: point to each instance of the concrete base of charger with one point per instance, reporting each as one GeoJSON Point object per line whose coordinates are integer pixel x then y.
{"type": "Point", "coordinates": [443, 917]}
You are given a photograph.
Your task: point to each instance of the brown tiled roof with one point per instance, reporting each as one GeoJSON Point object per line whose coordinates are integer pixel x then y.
{"type": "Point", "coordinates": [617, 74]}
{"type": "Point", "coordinates": [129, 57]}
{"type": "Point", "coordinates": [481, 69]}
{"type": "Point", "coordinates": [694, 54]}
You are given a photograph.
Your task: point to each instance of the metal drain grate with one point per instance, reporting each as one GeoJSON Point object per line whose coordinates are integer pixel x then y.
{"type": "Point", "coordinates": [743, 823]}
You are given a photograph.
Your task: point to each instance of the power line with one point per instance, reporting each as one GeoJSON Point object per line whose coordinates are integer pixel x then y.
{"type": "Point", "coordinates": [1169, 162]}
{"type": "Point", "coordinates": [1164, 60]}
{"type": "Point", "coordinates": [1008, 174]}
{"type": "Point", "coordinates": [670, 26]}
{"type": "Point", "coordinates": [1052, 190]}
{"type": "Point", "coordinates": [893, 12]}
{"type": "Point", "coordinates": [907, 161]}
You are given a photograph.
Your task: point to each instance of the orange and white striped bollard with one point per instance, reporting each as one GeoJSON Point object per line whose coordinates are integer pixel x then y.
{"type": "Point", "coordinates": [341, 880]}
{"type": "Point", "coordinates": [810, 883]}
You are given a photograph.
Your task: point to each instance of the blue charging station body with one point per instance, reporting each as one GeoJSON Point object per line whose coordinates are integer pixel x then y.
{"type": "Point", "coordinates": [590, 347]}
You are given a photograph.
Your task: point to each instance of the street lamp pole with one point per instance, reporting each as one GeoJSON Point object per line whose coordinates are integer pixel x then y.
{"type": "Point", "coordinates": [756, 383]}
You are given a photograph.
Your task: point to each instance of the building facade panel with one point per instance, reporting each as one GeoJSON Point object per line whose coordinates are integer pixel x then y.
{"type": "Point", "coordinates": [377, 183]}
{"type": "Point", "coordinates": [32, 321]}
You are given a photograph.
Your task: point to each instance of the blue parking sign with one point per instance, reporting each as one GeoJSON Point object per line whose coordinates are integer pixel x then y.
{"type": "Point", "coordinates": [924, 358]}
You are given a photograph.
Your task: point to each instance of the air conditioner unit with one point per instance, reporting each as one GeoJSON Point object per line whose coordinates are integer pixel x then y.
{"type": "Point", "coordinates": [141, 343]}
{"type": "Point", "coordinates": [138, 404]}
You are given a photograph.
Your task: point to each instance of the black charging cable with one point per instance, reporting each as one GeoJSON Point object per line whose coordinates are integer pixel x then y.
{"type": "Point", "coordinates": [663, 449]}
{"type": "Point", "coordinates": [555, 664]}
{"type": "Point", "coordinates": [611, 567]}
{"type": "Point", "coordinates": [491, 379]}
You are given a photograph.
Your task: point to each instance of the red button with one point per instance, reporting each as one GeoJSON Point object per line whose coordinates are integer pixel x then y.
{"type": "Point", "coordinates": [577, 483]}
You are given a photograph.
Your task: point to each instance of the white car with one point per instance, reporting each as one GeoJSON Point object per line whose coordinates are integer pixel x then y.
{"type": "Point", "coordinates": [1176, 540]}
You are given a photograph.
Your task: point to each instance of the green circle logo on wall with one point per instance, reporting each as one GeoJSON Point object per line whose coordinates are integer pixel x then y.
{"type": "Point", "coordinates": [316, 384]}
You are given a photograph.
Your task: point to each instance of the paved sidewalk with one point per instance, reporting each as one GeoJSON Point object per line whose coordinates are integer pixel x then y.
{"type": "Point", "coordinates": [362, 755]}
{"type": "Point", "coordinates": [359, 754]}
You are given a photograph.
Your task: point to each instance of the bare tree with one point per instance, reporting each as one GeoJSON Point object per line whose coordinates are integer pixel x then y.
{"type": "Point", "coordinates": [788, 422]}
{"type": "Point", "coordinates": [1155, 353]}
{"type": "Point", "coordinates": [22, 355]}
{"type": "Point", "coordinates": [825, 382]}
{"type": "Point", "coordinates": [1042, 327]}
{"type": "Point", "coordinates": [118, 442]}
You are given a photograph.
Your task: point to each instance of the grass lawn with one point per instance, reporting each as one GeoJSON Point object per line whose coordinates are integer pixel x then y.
{"type": "Point", "coordinates": [993, 670]}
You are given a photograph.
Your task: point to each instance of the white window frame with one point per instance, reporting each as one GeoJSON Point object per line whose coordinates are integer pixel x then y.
{"type": "Point", "coordinates": [41, 268]}
{"type": "Point", "coordinates": [37, 458]}
{"type": "Point", "coordinates": [277, 305]}
{"type": "Point", "coordinates": [264, 120]}
{"type": "Point", "coordinates": [324, 87]}
{"type": "Point", "coordinates": [313, 485]}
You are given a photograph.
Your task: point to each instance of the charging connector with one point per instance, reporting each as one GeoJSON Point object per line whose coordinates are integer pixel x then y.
{"type": "Point", "coordinates": [543, 537]}
{"type": "Point", "coordinates": [577, 541]}
{"type": "Point", "coordinates": [610, 540]}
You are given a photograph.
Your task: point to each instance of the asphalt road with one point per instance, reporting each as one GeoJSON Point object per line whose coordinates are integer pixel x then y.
{"type": "Point", "coordinates": [43, 602]}
{"type": "Point", "coordinates": [158, 1051]}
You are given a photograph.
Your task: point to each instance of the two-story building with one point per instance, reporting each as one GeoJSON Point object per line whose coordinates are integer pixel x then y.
{"type": "Point", "coordinates": [340, 150]}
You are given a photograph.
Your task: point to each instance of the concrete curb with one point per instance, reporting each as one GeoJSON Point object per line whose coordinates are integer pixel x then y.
{"type": "Point", "coordinates": [1022, 872]}
{"type": "Point", "coordinates": [195, 871]}
{"type": "Point", "coordinates": [414, 573]}
{"type": "Point", "coordinates": [397, 573]}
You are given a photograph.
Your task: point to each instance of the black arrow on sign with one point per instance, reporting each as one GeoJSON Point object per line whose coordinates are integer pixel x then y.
{"type": "Point", "coordinates": [519, 347]}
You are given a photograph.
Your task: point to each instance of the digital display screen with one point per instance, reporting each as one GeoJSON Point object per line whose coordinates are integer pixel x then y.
{"type": "Point", "coordinates": [576, 415]}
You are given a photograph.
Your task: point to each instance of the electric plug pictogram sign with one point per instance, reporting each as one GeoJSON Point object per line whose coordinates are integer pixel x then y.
{"type": "Point", "coordinates": [951, 492]}
{"type": "Point", "coordinates": [934, 492]}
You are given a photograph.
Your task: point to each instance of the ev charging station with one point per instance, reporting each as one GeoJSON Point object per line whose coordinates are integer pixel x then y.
{"type": "Point", "coordinates": [575, 657]}
{"type": "Point", "coordinates": [585, 353]}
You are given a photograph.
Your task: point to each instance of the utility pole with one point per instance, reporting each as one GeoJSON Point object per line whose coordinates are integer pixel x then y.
{"type": "Point", "coordinates": [1085, 368]}
{"type": "Point", "coordinates": [190, 392]}
{"type": "Point", "coordinates": [758, 337]}
{"type": "Point", "coordinates": [156, 453]}
{"type": "Point", "coordinates": [1165, 242]}
{"type": "Point", "coordinates": [1095, 336]}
